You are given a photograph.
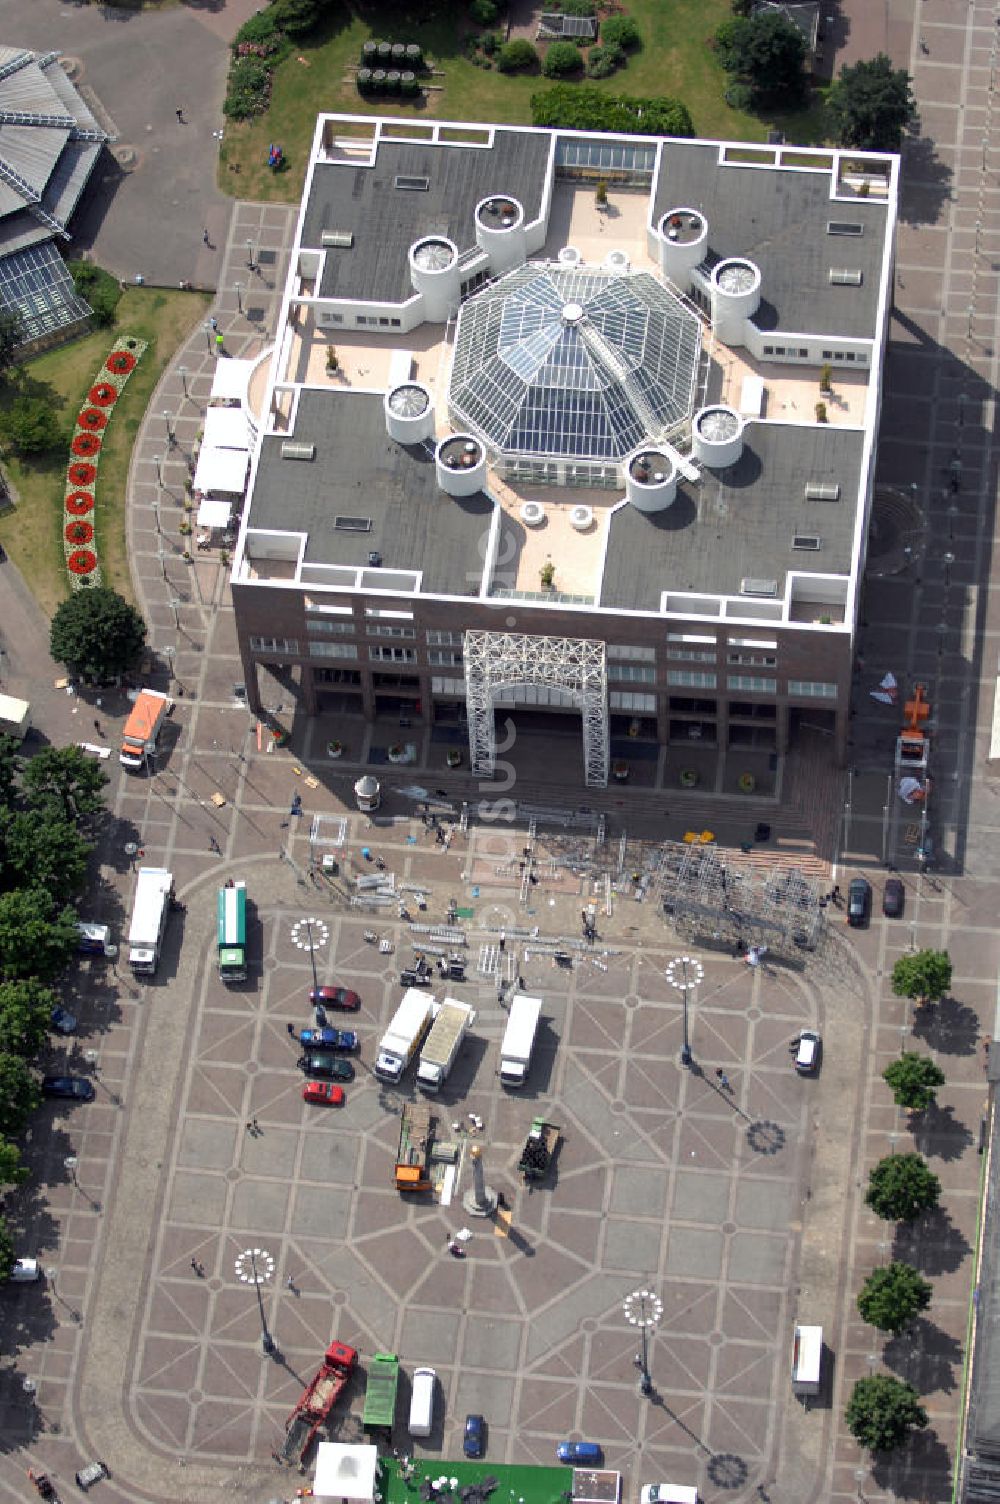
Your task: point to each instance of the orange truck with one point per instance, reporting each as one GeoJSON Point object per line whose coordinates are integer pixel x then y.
{"type": "Point", "coordinates": [141, 730]}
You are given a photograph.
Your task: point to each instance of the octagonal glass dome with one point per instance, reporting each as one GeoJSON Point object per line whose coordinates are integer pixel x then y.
{"type": "Point", "coordinates": [574, 361]}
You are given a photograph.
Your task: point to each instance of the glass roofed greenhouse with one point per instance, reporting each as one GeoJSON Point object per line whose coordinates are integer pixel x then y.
{"type": "Point", "coordinates": [582, 364]}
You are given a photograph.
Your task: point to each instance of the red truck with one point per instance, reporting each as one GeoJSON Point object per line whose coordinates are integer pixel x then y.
{"type": "Point", "coordinates": [316, 1401]}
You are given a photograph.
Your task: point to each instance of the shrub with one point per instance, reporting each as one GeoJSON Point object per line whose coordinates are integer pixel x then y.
{"type": "Point", "coordinates": [484, 12]}
{"type": "Point", "coordinates": [297, 17]}
{"type": "Point", "coordinates": [739, 96]}
{"type": "Point", "coordinates": [577, 7]}
{"type": "Point", "coordinates": [249, 89]}
{"type": "Point", "coordinates": [31, 426]}
{"type": "Point", "coordinates": [621, 32]}
{"type": "Point", "coordinates": [581, 107]}
{"type": "Point", "coordinates": [261, 30]}
{"type": "Point", "coordinates": [517, 56]}
{"type": "Point", "coordinates": [561, 60]}
{"type": "Point", "coordinates": [98, 287]}
{"type": "Point", "coordinates": [603, 61]}
{"type": "Point", "coordinates": [490, 42]}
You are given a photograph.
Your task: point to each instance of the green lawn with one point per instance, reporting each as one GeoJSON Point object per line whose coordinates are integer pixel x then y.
{"type": "Point", "coordinates": [517, 1485]}
{"type": "Point", "coordinates": [675, 60]}
{"type": "Point", "coordinates": [32, 532]}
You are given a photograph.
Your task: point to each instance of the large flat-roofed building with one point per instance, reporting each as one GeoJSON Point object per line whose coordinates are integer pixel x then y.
{"type": "Point", "coordinates": [543, 428]}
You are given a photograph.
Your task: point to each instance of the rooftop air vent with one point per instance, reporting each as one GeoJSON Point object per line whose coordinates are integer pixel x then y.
{"type": "Point", "coordinates": [750, 586]}
{"type": "Point", "coordinates": [412, 184]}
{"type": "Point", "coordinates": [845, 276]}
{"type": "Point", "coordinates": [293, 451]}
{"type": "Point", "coordinates": [818, 490]}
{"type": "Point", "coordinates": [375, 559]}
{"type": "Point", "coordinates": [844, 227]}
{"type": "Point", "coordinates": [808, 542]}
{"type": "Point", "coordinates": [352, 524]}
{"type": "Point", "coordinates": [340, 240]}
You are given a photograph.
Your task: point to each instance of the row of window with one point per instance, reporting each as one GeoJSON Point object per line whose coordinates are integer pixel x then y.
{"type": "Point", "coordinates": [799, 354]}
{"type": "Point", "coordinates": [757, 684]}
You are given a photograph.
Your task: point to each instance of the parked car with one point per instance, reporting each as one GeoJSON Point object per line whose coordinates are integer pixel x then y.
{"type": "Point", "coordinates": [62, 1021]}
{"type": "Point", "coordinates": [808, 1052]}
{"type": "Point", "coordinates": [25, 1271]}
{"type": "Point", "coordinates": [668, 1493]}
{"type": "Point", "coordinates": [859, 902]}
{"type": "Point", "coordinates": [323, 1094]}
{"type": "Point", "coordinates": [328, 1039]}
{"type": "Point", "coordinates": [893, 898]}
{"type": "Point", "coordinates": [579, 1451]}
{"type": "Point", "coordinates": [335, 997]}
{"type": "Point", "coordinates": [327, 1065]}
{"type": "Point", "coordinates": [71, 1088]}
{"type": "Point", "coordinates": [474, 1439]}
{"type": "Point", "coordinates": [91, 1474]}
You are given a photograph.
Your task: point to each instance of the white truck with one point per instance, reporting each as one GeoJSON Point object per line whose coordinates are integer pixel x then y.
{"type": "Point", "coordinates": [15, 716]}
{"type": "Point", "coordinates": [443, 1043]}
{"type": "Point", "coordinates": [405, 1034]}
{"type": "Point", "coordinates": [153, 895]}
{"type": "Point", "coordinates": [519, 1039]}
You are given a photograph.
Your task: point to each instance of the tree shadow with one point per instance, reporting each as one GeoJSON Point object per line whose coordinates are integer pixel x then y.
{"type": "Point", "coordinates": [926, 1356]}
{"type": "Point", "coordinates": [934, 1245]}
{"type": "Point", "coordinates": [921, 1470]}
{"type": "Point", "coordinates": [940, 1135]}
{"type": "Point", "coordinates": [926, 182]}
{"type": "Point", "coordinates": [950, 1027]}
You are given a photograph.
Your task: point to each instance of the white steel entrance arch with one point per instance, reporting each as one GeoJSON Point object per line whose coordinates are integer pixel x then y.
{"type": "Point", "coordinates": [498, 661]}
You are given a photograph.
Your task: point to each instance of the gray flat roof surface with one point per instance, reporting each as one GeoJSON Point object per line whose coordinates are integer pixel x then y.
{"type": "Point", "coordinates": [359, 471]}
{"type": "Point", "coordinates": [778, 217]}
{"type": "Point", "coordinates": [739, 523]}
{"type": "Point", "coordinates": [386, 220]}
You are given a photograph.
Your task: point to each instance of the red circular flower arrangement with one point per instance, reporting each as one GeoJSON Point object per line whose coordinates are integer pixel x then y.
{"type": "Point", "coordinates": [121, 362]}
{"type": "Point", "coordinates": [81, 474]}
{"type": "Point", "coordinates": [82, 561]}
{"type": "Point", "coordinates": [79, 532]}
{"type": "Point", "coordinates": [86, 443]}
{"type": "Point", "coordinates": [103, 394]}
{"type": "Point", "coordinates": [92, 417]}
{"type": "Point", "coordinates": [79, 503]}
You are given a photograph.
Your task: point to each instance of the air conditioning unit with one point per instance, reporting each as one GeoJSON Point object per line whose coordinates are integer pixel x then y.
{"type": "Point", "coordinates": [750, 586]}
{"type": "Point", "coordinates": [817, 490]}
{"type": "Point", "coordinates": [845, 276]}
{"type": "Point", "coordinates": [340, 240]}
{"type": "Point", "coordinates": [292, 451]}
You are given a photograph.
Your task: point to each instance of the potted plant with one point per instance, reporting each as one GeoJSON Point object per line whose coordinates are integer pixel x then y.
{"type": "Point", "coordinates": [747, 783]}
{"type": "Point", "coordinates": [454, 757]}
{"type": "Point", "coordinates": [332, 360]}
{"type": "Point", "coordinates": [334, 749]}
{"type": "Point", "coordinates": [547, 574]}
{"type": "Point", "coordinates": [688, 778]}
{"type": "Point", "coordinates": [397, 752]}
{"type": "Point", "coordinates": [601, 194]}
{"type": "Point", "coordinates": [619, 772]}
{"type": "Point", "coordinates": [825, 379]}
{"type": "Point", "coordinates": [821, 412]}
{"type": "Point", "coordinates": [280, 735]}
{"type": "Point", "coordinates": [184, 527]}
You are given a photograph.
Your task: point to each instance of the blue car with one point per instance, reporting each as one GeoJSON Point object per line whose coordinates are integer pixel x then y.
{"type": "Point", "coordinates": [474, 1440]}
{"type": "Point", "coordinates": [579, 1451]}
{"type": "Point", "coordinates": [328, 1039]}
{"type": "Point", "coordinates": [62, 1021]}
{"type": "Point", "coordinates": [70, 1088]}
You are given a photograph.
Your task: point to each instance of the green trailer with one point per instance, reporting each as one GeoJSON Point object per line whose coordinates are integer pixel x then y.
{"type": "Point", "coordinates": [380, 1392]}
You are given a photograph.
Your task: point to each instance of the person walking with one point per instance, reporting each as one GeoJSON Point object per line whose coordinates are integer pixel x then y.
{"type": "Point", "coordinates": [180, 115]}
{"type": "Point", "coordinates": [213, 845]}
{"type": "Point", "coordinates": [205, 238]}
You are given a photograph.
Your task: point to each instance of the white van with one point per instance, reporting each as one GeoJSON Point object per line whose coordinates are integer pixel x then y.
{"type": "Point", "coordinates": [807, 1359]}
{"type": "Point", "coordinates": [422, 1402]}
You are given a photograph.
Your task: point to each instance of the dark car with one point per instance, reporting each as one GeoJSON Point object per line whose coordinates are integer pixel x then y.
{"type": "Point", "coordinates": [474, 1440]}
{"type": "Point", "coordinates": [72, 1088]}
{"type": "Point", "coordinates": [62, 1021]}
{"type": "Point", "coordinates": [325, 1064]}
{"type": "Point", "coordinates": [328, 1039]}
{"type": "Point", "coordinates": [859, 902]}
{"type": "Point", "coordinates": [336, 997]}
{"type": "Point", "coordinates": [893, 898]}
{"type": "Point", "coordinates": [579, 1451]}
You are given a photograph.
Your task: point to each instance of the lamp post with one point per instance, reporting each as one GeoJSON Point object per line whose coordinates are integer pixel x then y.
{"type": "Point", "coordinates": [643, 1309]}
{"type": "Point", "coordinates": [685, 973]}
{"type": "Point", "coordinates": [93, 1060]}
{"type": "Point", "coordinates": [250, 260]}
{"type": "Point", "coordinates": [131, 849]}
{"type": "Point", "coordinates": [158, 462]}
{"type": "Point", "coordinates": [312, 954]}
{"type": "Point", "coordinates": [253, 1267]}
{"type": "Point", "coordinates": [182, 373]}
{"type": "Point", "coordinates": [238, 289]}
{"type": "Point", "coordinates": [50, 1276]}
{"type": "Point", "coordinates": [161, 554]}
{"type": "Point", "coordinates": [156, 515]}
{"type": "Point", "coordinates": [171, 435]}
{"type": "Point", "coordinates": [173, 603]}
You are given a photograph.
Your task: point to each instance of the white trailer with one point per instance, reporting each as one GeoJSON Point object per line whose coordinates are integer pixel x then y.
{"type": "Point", "coordinates": [15, 716]}
{"type": "Point", "coordinates": [443, 1044]}
{"type": "Point", "coordinates": [405, 1034]}
{"type": "Point", "coordinates": [519, 1039]}
{"type": "Point", "coordinates": [153, 893]}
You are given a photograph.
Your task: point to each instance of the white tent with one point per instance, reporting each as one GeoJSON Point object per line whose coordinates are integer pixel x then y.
{"type": "Point", "coordinates": [345, 1472]}
{"type": "Point", "coordinates": [222, 470]}
{"type": "Point", "coordinates": [226, 428]}
{"type": "Point", "coordinates": [230, 380]}
{"type": "Point", "coordinates": [214, 513]}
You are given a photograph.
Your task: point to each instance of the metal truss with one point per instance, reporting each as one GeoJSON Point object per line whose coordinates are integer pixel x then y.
{"type": "Point", "coordinates": [717, 894]}
{"type": "Point", "coordinates": [499, 661]}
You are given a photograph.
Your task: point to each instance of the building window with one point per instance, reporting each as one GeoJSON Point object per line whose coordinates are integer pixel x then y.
{"type": "Point", "coordinates": [633, 673]}
{"type": "Point", "coordinates": [770, 643]}
{"type": "Point", "coordinates": [755, 683]}
{"type": "Point", "coordinates": [392, 655]}
{"type": "Point", "coordinates": [812, 689]}
{"type": "Point", "coordinates": [287, 646]}
{"type": "Point", "coordinates": [382, 630]}
{"type": "Point", "coordinates": [440, 686]}
{"type": "Point", "coordinates": [691, 655]}
{"type": "Point", "coordinates": [643, 655]}
{"type": "Point", "coordinates": [332, 650]}
{"type": "Point", "coordinates": [320, 625]}
{"type": "Point", "coordinates": [437, 639]}
{"type": "Point", "coordinates": [687, 678]}
{"type": "Point", "coordinates": [752, 660]}
{"type": "Point", "coordinates": [630, 700]}
{"type": "Point", "coordinates": [444, 658]}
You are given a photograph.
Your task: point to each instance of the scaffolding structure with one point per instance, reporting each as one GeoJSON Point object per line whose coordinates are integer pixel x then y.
{"type": "Point", "coordinates": [496, 662]}
{"type": "Point", "coordinates": [714, 893]}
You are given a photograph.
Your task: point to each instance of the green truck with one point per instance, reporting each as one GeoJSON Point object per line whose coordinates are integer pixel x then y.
{"type": "Point", "coordinates": [380, 1392]}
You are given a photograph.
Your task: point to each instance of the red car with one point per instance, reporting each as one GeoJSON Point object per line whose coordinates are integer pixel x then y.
{"type": "Point", "coordinates": [323, 1093]}
{"type": "Point", "coordinates": [335, 997]}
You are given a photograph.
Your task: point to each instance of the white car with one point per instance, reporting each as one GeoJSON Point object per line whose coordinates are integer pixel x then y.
{"type": "Point", "coordinates": [24, 1271]}
{"type": "Point", "coordinates": [807, 1054]}
{"type": "Point", "coordinates": [668, 1493]}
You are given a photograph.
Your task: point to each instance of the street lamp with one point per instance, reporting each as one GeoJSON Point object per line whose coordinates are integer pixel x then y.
{"type": "Point", "coordinates": [131, 851]}
{"type": "Point", "coordinates": [643, 1309]}
{"type": "Point", "coordinates": [253, 1267]}
{"type": "Point", "coordinates": [312, 954]}
{"type": "Point", "coordinates": [156, 515]}
{"type": "Point", "coordinates": [171, 435]}
{"type": "Point", "coordinates": [173, 603]}
{"type": "Point", "coordinates": [161, 554]}
{"type": "Point", "coordinates": [250, 260]}
{"type": "Point", "coordinates": [158, 462]}
{"type": "Point", "coordinates": [182, 373]}
{"type": "Point", "coordinates": [50, 1276]}
{"type": "Point", "coordinates": [685, 973]}
{"type": "Point", "coordinates": [238, 289]}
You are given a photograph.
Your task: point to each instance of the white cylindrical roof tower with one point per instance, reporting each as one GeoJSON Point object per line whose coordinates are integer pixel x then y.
{"type": "Point", "coordinates": [569, 256]}
{"type": "Point", "coordinates": [460, 461]}
{"type": "Point", "coordinates": [409, 413]}
{"type": "Point", "coordinates": [735, 298]}
{"type": "Point", "coordinates": [650, 480]}
{"type": "Point", "coordinates": [617, 261]}
{"type": "Point", "coordinates": [717, 437]}
{"type": "Point", "coordinates": [500, 231]}
{"type": "Point", "coordinates": [434, 272]}
{"type": "Point", "coordinates": [683, 243]}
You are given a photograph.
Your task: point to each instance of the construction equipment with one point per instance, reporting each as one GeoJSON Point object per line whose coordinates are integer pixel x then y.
{"type": "Point", "coordinates": [316, 1402]}
{"type": "Point", "coordinates": [540, 1145]}
{"type": "Point", "coordinates": [416, 1128]}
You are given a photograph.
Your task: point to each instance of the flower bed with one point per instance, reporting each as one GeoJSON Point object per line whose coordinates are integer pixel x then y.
{"type": "Point", "coordinates": [85, 446]}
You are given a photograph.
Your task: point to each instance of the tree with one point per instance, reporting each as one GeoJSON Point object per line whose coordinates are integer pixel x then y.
{"type": "Point", "coordinates": [890, 1297]}
{"type": "Point", "coordinates": [36, 938]}
{"type": "Point", "coordinates": [12, 1172]}
{"type": "Point", "coordinates": [765, 51]}
{"type": "Point", "coordinates": [67, 776]}
{"type": "Point", "coordinates": [19, 1094]}
{"type": "Point", "coordinates": [561, 60]}
{"type": "Point", "coordinates": [516, 56]}
{"type": "Point", "coordinates": [97, 634]}
{"type": "Point", "coordinates": [11, 336]}
{"type": "Point", "coordinates": [882, 1411]}
{"type": "Point", "coordinates": [8, 1257]}
{"type": "Point", "coordinates": [912, 1079]}
{"type": "Point", "coordinates": [871, 104]}
{"type": "Point", "coordinates": [924, 974]}
{"type": "Point", "coordinates": [40, 847]}
{"type": "Point", "coordinates": [621, 32]}
{"type": "Point", "coordinates": [901, 1186]}
{"type": "Point", "coordinates": [582, 107]}
{"type": "Point", "coordinates": [25, 1014]}
{"type": "Point", "coordinates": [98, 288]}
{"type": "Point", "coordinates": [10, 749]}
{"type": "Point", "coordinates": [484, 12]}
{"type": "Point", "coordinates": [31, 426]}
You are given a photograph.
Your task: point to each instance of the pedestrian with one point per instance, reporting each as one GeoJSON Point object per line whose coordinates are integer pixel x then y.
{"type": "Point", "coordinates": [220, 344]}
{"type": "Point", "coordinates": [204, 236]}
{"type": "Point", "coordinates": [213, 322]}
{"type": "Point", "coordinates": [255, 1126]}
{"type": "Point", "coordinates": [213, 845]}
{"type": "Point", "coordinates": [97, 727]}
{"type": "Point", "coordinates": [199, 1269]}
{"type": "Point", "coordinates": [250, 1127]}
{"type": "Point", "coordinates": [503, 941]}
{"type": "Point", "coordinates": [289, 1283]}
{"type": "Point", "coordinates": [180, 116]}
{"type": "Point", "coordinates": [291, 1029]}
